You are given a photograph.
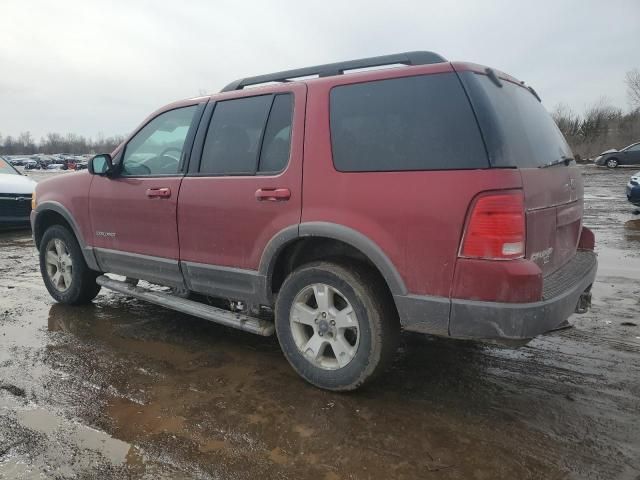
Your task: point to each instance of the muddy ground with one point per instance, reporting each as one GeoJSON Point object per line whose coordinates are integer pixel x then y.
{"type": "Point", "coordinates": [123, 389]}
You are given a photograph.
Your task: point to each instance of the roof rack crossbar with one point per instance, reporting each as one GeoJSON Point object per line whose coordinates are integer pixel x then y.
{"type": "Point", "coordinates": [338, 68]}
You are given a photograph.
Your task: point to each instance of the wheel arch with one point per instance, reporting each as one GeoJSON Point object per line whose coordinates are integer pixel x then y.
{"type": "Point", "coordinates": [53, 213]}
{"type": "Point", "coordinates": [289, 241]}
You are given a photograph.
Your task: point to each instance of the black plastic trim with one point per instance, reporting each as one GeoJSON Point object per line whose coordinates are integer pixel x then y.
{"type": "Point", "coordinates": [362, 243]}
{"type": "Point", "coordinates": [225, 282]}
{"type": "Point", "coordinates": [50, 205]}
{"type": "Point", "coordinates": [163, 271]}
{"type": "Point", "coordinates": [338, 68]}
{"type": "Point", "coordinates": [424, 314]}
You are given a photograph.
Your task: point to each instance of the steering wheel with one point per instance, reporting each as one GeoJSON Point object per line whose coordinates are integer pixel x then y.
{"type": "Point", "coordinates": [171, 149]}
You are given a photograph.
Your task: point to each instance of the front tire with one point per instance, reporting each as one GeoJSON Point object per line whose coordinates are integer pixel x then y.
{"type": "Point", "coordinates": [612, 163]}
{"type": "Point", "coordinates": [336, 326]}
{"type": "Point", "coordinates": [65, 273]}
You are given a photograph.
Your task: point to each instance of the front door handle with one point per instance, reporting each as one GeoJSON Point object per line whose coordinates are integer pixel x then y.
{"type": "Point", "coordinates": [164, 192]}
{"type": "Point", "coordinates": [273, 194]}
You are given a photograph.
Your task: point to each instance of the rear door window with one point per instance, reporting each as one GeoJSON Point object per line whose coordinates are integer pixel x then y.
{"type": "Point", "coordinates": [248, 135]}
{"type": "Point", "coordinates": [412, 123]}
{"type": "Point", "coordinates": [276, 143]}
{"type": "Point", "coordinates": [517, 128]}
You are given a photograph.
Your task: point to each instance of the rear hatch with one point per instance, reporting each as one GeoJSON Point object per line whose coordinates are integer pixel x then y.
{"type": "Point", "coordinates": [520, 133]}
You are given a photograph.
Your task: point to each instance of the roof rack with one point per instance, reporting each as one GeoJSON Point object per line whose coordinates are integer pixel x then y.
{"type": "Point", "coordinates": [338, 68]}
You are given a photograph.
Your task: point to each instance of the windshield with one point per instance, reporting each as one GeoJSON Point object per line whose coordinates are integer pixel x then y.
{"type": "Point", "coordinates": [6, 167]}
{"type": "Point", "coordinates": [518, 130]}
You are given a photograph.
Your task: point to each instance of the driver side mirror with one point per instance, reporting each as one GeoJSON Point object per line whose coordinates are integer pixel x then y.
{"type": "Point", "coordinates": [101, 164]}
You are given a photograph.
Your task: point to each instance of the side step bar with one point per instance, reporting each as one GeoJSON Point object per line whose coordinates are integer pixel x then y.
{"type": "Point", "coordinates": [197, 309]}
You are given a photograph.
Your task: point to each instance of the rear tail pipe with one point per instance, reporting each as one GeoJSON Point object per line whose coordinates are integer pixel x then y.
{"type": "Point", "coordinates": [584, 302]}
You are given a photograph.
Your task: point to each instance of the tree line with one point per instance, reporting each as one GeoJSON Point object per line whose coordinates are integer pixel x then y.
{"type": "Point", "coordinates": [25, 144]}
{"type": "Point", "coordinates": [602, 126]}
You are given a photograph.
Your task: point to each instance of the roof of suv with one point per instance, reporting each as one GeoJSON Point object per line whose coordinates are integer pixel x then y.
{"type": "Point", "coordinates": [339, 68]}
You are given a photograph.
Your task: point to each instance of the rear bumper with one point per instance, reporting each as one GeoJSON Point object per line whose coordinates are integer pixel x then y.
{"type": "Point", "coordinates": [500, 321]}
{"type": "Point", "coordinates": [522, 321]}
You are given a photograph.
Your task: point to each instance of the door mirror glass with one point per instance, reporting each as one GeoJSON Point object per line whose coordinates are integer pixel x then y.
{"type": "Point", "coordinates": [101, 164]}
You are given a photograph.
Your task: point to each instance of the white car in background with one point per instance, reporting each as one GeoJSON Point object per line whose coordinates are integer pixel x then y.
{"type": "Point", "coordinates": [16, 191]}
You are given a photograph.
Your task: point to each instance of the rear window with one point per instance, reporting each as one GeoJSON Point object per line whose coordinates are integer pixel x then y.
{"type": "Point", "coordinates": [518, 130]}
{"type": "Point", "coordinates": [411, 123]}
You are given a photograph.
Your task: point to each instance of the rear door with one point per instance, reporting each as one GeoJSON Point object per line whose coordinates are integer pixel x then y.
{"type": "Point", "coordinates": [243, 187]}
{"type": "Point", "coordinates": [520, 133]}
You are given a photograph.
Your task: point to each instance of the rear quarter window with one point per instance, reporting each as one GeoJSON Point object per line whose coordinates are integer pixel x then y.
{"type": "Point", "coordinates": [518, 130]}
{"type": "Point", "coordinates": [412, 123]}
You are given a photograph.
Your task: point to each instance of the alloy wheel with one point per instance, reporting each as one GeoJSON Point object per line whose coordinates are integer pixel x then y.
{"type": "Point", "coordinates": [59, 264]}
{"type": "Point", "coordinates": [324, 326]}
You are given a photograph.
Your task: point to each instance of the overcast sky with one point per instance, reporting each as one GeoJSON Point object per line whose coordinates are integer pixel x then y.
{"type": "Point", "coordinates": [93, 67]}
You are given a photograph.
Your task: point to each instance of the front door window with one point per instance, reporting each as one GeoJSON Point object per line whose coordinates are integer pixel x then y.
{"type": "Point", "coordinates": [157, 148]}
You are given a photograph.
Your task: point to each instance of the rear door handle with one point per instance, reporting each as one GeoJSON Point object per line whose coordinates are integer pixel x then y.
{"type": "Point", "coordinates": [273, 194]}
{"type": "Point", "coordinates": [164, 192]}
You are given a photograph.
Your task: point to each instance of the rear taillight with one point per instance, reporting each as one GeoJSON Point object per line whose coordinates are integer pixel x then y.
{"type": "Point", "coordinates": [495, 228]}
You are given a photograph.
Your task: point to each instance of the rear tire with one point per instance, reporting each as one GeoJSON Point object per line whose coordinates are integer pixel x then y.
{"type": "Point", "coordinates": [612, 163]}
{"type": "Point", "coordinates": [65, 273]}
{"type": "Point", "coordinates": [337, 326]}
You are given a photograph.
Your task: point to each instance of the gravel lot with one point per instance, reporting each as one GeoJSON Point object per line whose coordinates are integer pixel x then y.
{"type": "Point", "coordinates": [123, 389]}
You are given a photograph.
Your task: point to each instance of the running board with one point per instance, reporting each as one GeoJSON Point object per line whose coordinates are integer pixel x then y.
{"type": "Point", "coordinates": [197, 309]}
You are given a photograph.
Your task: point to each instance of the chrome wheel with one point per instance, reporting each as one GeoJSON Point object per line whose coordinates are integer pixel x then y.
{"type": "Point", "coordinates": [324, 326]}
{"type": "Point", "coordinates": [612, 163]}
{"type": "Point", "coordinates": [59, 265]}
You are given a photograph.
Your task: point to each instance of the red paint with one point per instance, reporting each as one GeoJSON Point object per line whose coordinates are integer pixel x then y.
{"type": "Point", "coordinates": [416, 218]}
{"type": "Point", "coordinates": [220, 220]}
{"type": "Point", "coordinates": [587, 239]}
{"type": "Point", "coordinates": [509, 281]}
{"type": "Point", "coordinates": [142, 224]}
{"type": "Point", "coordinates": [554, 199]}
{"type": "Point", "coordinates": [71, 191]}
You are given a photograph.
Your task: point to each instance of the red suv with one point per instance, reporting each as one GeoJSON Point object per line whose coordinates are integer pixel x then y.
{"type": "Point", "coordinates": [438, 197]}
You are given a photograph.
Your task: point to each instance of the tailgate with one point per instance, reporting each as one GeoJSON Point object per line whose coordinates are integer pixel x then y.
{"type": "Point", "coordinates": [554, 199]}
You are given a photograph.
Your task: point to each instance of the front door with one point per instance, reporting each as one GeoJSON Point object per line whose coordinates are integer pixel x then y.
{"type": "Point", "coordinates": [244, 186]}
{"type": "Point", "coordinates": [133, 214]}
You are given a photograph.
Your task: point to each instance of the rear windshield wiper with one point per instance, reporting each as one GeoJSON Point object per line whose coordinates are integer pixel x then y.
{"type": "Point", "coordinates": [565, 160]}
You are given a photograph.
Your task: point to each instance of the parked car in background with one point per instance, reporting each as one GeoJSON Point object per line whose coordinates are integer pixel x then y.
{"type": "Point", "coordinates": [15, 196]}
{"type": "Point", "coordinates": [629, 155]}
{"type": "Point", "coordinates": [438, 197]}
{"type": "Point", "coordinates": [18, 161]}
{"type": "Point", "coordinates": [633, 189]}
{"type": "Point", "coordinates": [57, 166]}
{"type": "Point", "coordinates": [32, 165]}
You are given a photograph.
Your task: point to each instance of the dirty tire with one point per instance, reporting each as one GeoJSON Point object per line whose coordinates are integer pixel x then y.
{"type": "Point", "coordinates": [379, 327]}
{"type": "Point", "coordinates": [83, 287]}
{"type": "Point", "coordinates": [612, 163]}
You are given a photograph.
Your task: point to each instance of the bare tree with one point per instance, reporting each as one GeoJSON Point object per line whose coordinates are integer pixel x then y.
{"type": "Point", "coordinates": [633, 86]}
{"type": "Point", "coordinates": [568, 122]}
{"type": "Point", "coordinates": [598, 120]}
